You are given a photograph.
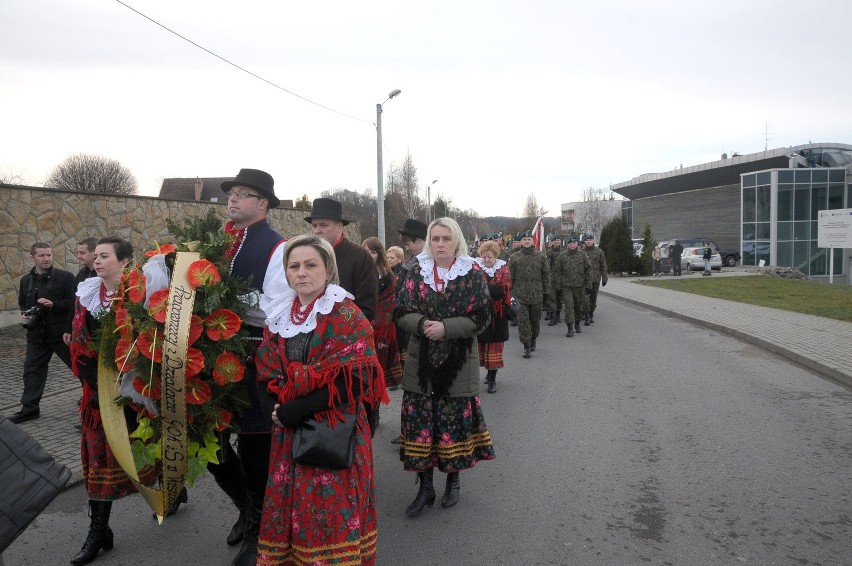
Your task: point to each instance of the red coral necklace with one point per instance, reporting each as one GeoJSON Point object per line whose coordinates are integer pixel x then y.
{"type": "Point", "coordinates": [105, 299]}
{"type": "Point", "coordinates": [298, 316]}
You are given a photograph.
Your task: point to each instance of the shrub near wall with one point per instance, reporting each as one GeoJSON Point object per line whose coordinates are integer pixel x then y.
{"type": "Point", "coordinates": [62, 218]}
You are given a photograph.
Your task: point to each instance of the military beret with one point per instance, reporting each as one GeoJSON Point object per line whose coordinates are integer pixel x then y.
{"type": "Point", "coordinates": [527, 234]}
{"type": "Point", "coordinates": [589, 237]}
{"type": "Point", "coordinates": [572, 239]}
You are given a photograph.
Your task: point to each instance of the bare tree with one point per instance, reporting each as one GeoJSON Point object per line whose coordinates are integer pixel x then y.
{"type": "Point", "coordinates": [357, 207]}
{"type": "Point", "coordinates": [597, 210]}
{"type": "Point", "coordinates": [532, 210]}
{"type": "Point", "coordinates": [10, 177]}
{"type": "Point", "coordinates": [92, 174]}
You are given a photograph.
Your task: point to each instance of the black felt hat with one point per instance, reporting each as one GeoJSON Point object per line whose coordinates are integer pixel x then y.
{"type": "Point", "coordinates": [414, 228]}
{"type": "Point", "coordinates": [327, 208]}
{"type": "Point", "coordinates": [256, 179]}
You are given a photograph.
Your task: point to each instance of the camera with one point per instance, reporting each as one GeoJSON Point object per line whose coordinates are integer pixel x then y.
{"type": "Point", "coordinates": [33, 317]}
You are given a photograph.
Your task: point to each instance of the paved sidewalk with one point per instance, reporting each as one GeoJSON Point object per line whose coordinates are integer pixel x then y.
{"type": "Point", "coordinates": [820, 344]}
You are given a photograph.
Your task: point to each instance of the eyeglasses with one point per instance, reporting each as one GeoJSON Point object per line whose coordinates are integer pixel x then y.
{"type": "Point", "coordinates": [241, 195]}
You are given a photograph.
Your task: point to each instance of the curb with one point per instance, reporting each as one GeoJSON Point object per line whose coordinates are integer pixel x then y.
{"type": "Point", "coordinates": [797, 357]}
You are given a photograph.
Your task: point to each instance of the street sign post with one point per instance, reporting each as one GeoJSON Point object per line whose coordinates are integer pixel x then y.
{"type": "Point", "coordinates": [834, 230]}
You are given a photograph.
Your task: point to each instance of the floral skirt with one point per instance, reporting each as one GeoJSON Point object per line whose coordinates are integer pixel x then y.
{"type": "Point", "coordinates": [491, 355]}
{"type": "Point", "coordinates": [316, 515]}
{"type": "Point", "coordinates": [448, 433]}
{"type": "Point", "coordinates": [104, 478]}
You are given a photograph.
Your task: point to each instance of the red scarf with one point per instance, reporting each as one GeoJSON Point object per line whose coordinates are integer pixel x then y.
{"type": "Point", "coordinates": [238, 234]}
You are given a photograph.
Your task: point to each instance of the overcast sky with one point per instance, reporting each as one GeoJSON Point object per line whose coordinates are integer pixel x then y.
{"type": "Point", "coordinates": [499, 99]}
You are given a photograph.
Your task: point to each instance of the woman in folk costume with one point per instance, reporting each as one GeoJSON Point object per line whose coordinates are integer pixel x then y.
{"type": "Point", "coordinates": [499, 286]}
{"type": "Point", "coordinates": [387, 348]}
{"type": "Point", "coordinates": [318, 360]}
{"type": "Point", "coordinates": [103, 476]}
{"type": "Point", "coordinates": [443, 305]}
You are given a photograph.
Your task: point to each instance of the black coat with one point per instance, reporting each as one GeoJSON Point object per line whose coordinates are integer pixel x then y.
{"type": "Point", "coordinates": [498, 329]}
{"type": "Point", "coordinates": [56, 285]}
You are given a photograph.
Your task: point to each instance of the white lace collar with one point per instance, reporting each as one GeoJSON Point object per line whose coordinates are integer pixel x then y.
{"type": "Point", "coordinates": [89, 292]}
{"type": "Point", "coordinates": [460, 266]}
{"type": "Point", "coordinates": [490, 270]}
{"type": "Point", "coordinates": [279, 321]}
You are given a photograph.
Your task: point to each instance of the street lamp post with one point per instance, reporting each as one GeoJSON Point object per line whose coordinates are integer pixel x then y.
{"type": "Point", "coordinates": [429, 201]}
{"type": "Point", "coordinates": [380, 193]}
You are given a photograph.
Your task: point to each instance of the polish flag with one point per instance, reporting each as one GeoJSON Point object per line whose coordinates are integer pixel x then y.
{"type": "Point", "coordinates": [538, 235]}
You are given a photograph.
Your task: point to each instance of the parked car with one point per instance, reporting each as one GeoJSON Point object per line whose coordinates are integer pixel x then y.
{"type": "Point", "coordinates": [727, 256]}
{"type": "Point", "coordinates": [692, 259]}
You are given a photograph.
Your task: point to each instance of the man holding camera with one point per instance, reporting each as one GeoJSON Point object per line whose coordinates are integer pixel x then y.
{"type": "Point", "coordinates": [46, 296]}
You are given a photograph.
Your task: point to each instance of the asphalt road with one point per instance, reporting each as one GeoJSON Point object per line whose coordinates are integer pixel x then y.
{"type": "Point", "coordinates": [643, 440]}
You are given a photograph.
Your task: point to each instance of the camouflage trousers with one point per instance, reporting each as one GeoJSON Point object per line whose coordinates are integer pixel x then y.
{"type": "Point", "coordinates": [529, 322]}
{"type": "Point", "coordinates": [575, 303]}
{"type": "Point", "coordinates": [590, 301]}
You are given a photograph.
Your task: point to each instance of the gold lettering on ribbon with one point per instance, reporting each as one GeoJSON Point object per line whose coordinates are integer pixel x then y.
{"type": "Point", "coordinates": [173, 400]}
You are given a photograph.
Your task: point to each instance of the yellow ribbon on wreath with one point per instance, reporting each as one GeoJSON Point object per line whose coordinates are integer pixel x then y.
{"type": "Point", "coordinates": [172, 401]}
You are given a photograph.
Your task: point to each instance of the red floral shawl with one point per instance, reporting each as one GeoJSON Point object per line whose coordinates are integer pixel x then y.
{"type": "Point", "coordinates": [342, 342]}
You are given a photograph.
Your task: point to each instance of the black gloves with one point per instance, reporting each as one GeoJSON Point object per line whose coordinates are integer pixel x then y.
{"type": "Point", "coordinates": [294, 412]}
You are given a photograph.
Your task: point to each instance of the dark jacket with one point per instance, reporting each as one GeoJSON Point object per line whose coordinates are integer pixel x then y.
{"type": "Point", "coordinates": [81, 276]}
{"type": "Point", "coordinates": [56, 285]}
{"type": "Point", "coordinates": [357, 271]}
{"type": "Point", "coordinates": [530, 274]}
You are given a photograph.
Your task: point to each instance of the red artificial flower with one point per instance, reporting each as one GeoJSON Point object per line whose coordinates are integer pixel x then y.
{"type": "Point", "coordinates": [150, 345]}
{"type": "Point", "coordinates": [135, 286]}
{"type": "Point", "coordinates": [197, 391]}
{"type": "Point", "coordinates": [125, 354]}
{"type": "Point", "coordinates": [194, 362]}
{"type": "Point", "coordinates": [152, 389]}
{"type": "Point", "coordinates": [165, 249]}
{"type": "Point", "coordinates": [228, 369]}
{"type": "Point", "coordinates": [223, 419]}
{"type": "Point", "coordinates": [222, 324]}
{"type": "Point", "coordinates": [196, 327]}
{"type": "Point", "coordinates": [158, 305]}
{"type": "Point", "coordinates": [202, 273]}
{"type": "Point", "coordinates": [123, 324]}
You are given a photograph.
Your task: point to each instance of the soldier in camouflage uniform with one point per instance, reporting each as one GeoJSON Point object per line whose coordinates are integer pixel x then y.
{"type": "Point", "coordinates": [599, 276]}
{"type": "Point", "coordinates": [531, 287]}
{"type": "Point", "coordinates": [553, 251]}
{"type": "Point", "coordinates": [573, 273]}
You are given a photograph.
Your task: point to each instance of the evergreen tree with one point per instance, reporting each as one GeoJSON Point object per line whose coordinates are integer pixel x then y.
{"type": "Point", "coordinates": [617, 245]}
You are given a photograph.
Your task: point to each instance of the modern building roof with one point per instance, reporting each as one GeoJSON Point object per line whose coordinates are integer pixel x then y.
{"type": "Point", "coordinates": [727, 171]}
{"type": "Point", "coordinates": [183, 188]}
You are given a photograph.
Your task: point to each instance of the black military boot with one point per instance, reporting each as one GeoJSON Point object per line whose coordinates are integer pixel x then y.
{"type": "Point", "coordinates": [587, 319]}
{"type": "Point", "coordinates": [254, 510]}
{"type": "Point", "coordinates": [532, 345]}
{"type": "Point", "coordinates": [527, 352]}
{"type": "Point", "coordinates": [553, 321]}
{"type": "Point", "coordinates": [425, 495]}
{"type": "Point", "coordinates": [570, 331]}
{"type": "Point", "coordinates": [558, 317]}
{"type": "Point", "coordinates": [451, 492]}
{"type": "Point", "coordinates": [577, 327]}
{"type": "Point", "coordinates": [548, 315]}
{"type": "Point", "coordinates": [592, 317]}
{"type": "Point", "coordinates": [491, 378]}
{"type": "Point", "coordinates": [100, 535]}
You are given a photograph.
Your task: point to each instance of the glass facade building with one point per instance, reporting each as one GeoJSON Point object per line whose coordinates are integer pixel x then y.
{"type": "Point", "coordinates": [780, 208]}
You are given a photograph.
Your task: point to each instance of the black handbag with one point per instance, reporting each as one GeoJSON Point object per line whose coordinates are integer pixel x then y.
{"type": "Point", "coordinates": [29, 480]}
{"type": "Point", "coordinates": [318, 445]}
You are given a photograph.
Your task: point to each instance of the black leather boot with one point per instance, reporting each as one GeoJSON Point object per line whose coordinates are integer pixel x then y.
{"type": "Point", "coordinates": [451, 492]}
{"type": "Point", "coordinates": [577, 327]}
{"type": "Point", "coordinates": [527, 353]}
{"type": "Point", "coordinates": [236, 491]}
{"type": "Point", "coordinates": [100, 535]}
{"type": "Point", "coordinates": [570, 331]}
{"type": "Point", "coordinates": [425, 495]}
{"type": "Point", "coordinates": [492, 380]}
{"type": "Point", "coordinates": [586, 319]}
{"type": "Point", "coordinates": [548, 315]}
{"type": "Point", "coordinates": [558, 317]}
{"type": "Point", "coordinates": [183, 497]}
{"type": "Point", "coordinates": [592, 317]}
{"type": "Point", "coordinates": [553, 321]}
{"type": "Point", "coordinates": [532, 345]}
{"type": "Point", "coordinates": [247, 555]}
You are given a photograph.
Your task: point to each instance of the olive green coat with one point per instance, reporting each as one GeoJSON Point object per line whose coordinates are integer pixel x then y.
{"type": "Point", "coordinates": [573, 270]}
{"type": "Point", "coordinates": [530, 274]}
{"type": "Point", "coordinates": [597, 259]}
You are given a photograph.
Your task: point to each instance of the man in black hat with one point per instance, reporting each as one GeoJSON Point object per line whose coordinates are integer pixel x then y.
{"type": "Point", "coordinates": [355, 265]}
{"type": "Point", "coordinates": [413, 235]}
{"type": "Point", "coordinates": [257, 256]}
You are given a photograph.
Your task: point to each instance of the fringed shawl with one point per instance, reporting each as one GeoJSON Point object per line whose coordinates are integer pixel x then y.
{"type": "Point", "coordinates": [341, 343]}
{"type": "Point", "coordinates": [383, 324]}
{"type": "Point", "coordinates": [465, 295]}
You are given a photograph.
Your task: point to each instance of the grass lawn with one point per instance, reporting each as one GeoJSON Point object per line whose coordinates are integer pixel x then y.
{"type": "Point", "coordinates": [809, 297]}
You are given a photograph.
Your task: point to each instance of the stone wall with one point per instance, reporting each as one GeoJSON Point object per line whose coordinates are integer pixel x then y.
{"type": "Point", "coordinates": [62, 218]}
